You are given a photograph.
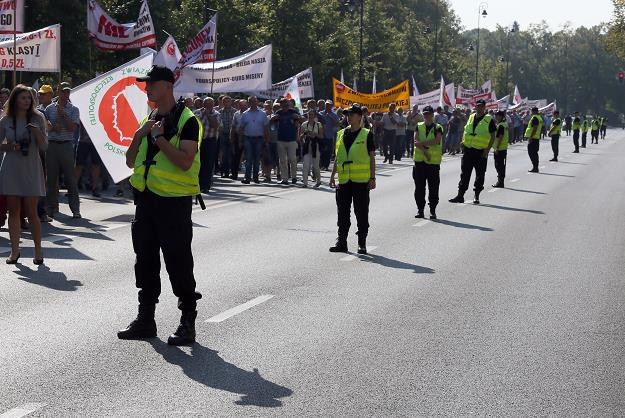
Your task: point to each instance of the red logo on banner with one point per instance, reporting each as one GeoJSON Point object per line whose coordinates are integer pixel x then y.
{"type": "Point", "coordinates": [171, 50]}
{"type": "Point", "coordinates": [340, 87]}
{"type": "Point", "coordinates": [116, 114]}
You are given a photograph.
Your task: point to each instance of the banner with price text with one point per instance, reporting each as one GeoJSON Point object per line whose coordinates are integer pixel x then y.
{"type": "Point", "coordinates": [37, 51]}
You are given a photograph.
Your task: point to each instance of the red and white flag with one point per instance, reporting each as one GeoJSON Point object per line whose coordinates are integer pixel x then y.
{"type": "Point", "coordinates": [201, 49]}
{"type": "Point", "coordinates": [169, 55]}
{"type": "Point", "coordinates": [109, 35]}
{"type": "Point", "coordinates": [517, 96]}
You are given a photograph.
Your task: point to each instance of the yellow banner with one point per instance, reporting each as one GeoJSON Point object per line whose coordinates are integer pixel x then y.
{"type": "Point", "coordinates": [344, 97]}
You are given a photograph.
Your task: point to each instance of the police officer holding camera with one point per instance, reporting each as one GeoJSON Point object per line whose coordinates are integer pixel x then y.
{"type": "Point", "coordinates": [166, 162]}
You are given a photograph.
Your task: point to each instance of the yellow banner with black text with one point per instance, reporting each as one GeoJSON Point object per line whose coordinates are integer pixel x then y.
{"type": "Point", "coordinates": [344, 97]}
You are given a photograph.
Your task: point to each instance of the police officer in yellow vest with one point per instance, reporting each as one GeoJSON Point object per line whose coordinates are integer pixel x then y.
{"type": "Point", "coordinates": [479, 136]}
{"type": "Point", "coordinates": [554, 133]}
{"type": "Point", "coordinates": [577, 125]}
{"type": "Point", "coordinates": [355, 166]}
{"type": "Point", "coordinates": [427, 156]}
{"type": "Point", "coordinates": [594, 130]}
{"type": "Point", "coordinates": [500, 147]}
{"type": "Point", "coordinates": [585, 127]}
{"type": "Point", "coordinates": [166, 162]}
{"type": "Point", "coordinates": [533, 133]}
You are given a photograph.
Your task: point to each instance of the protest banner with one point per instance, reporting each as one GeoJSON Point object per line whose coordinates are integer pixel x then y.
{"type": "Point", "coordinates": [7, 8]}
{"type": "Point", "coordinates": [304, 82]}
{"type": "Point", "coordinates": [38, 51]}
{"type": "Point", "coordinates": [249, 72]}
{"type": "Point", "coordinates": [344, 97]}
{"type": "Point", "coordinates": [109, 35]}
{"type": "Point", "coordinates": [548, 110]}
{"type": "Point", "coordinates": [201, 48]}
{"type": "Point", "coordinates": [463, 96]}
{"type": "Point", "coordinates": [111, 107]}
{"type": "Point", "coordinates": [432, 98]}
{"type": "Point", "coordinates": [169, 55]}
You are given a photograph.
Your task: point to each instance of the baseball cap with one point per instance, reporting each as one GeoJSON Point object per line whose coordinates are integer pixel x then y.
{"type": "Point", "coordinates": [158, 73]}
{"type": "Point", "coordinates": [64, 86]}
{"type": "Point", "coordinates": [427, 109]}
{"type": "Point", "coordinates": [354, 109]}
{"type": "Point", "coordinates": [534, 109]}
{"type": "Point", "coordinates": [480, 102]}
{"type": "Point", "coordinates": [46, 88]}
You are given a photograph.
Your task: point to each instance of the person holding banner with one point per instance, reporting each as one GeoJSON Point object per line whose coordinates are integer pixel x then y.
{"type": "Point", "coordinates": [22, 137]}
{"type": "Point", "coordinates": [478, 139]}
{"type": "Point", "coordinates": [532, 133]}
{"type": "Point", "coordinates": [427, 156]}
{"type": "Point", "coordinates": [554, 133]}
{"type": "Point", "coordinates": [166, 164]}
{"type": "Point", "coordinates": [500, 147]}
{"type": "Point", "coordinates": [355, 166]}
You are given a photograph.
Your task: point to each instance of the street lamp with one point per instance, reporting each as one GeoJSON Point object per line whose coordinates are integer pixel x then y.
{"type": "Point", "coordinates": [481, 12]}
{"type": "Point", "coordinates": [351, 6]}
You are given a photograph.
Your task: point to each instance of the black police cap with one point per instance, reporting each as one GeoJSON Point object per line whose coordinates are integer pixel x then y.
{"type": "Point", "coordinates": [158, 73]}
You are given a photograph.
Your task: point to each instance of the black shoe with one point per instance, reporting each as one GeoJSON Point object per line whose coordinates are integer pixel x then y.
{"type": "Point", "coordinates": [339, 247]}
{"type": "Point", "coordinates": [294, 180]}
{"type": "Point", "coordinates": [420, 215]}
{"type": "Point", "coordinates": [554, 159]}
{"type": "Point", "coordinates": [457, 199]}
{"type": "Point", "coordinates": [433, 214]}
{"type": "Point", "coordinates": [498, 185]}
{"type": "Point", "coordinates": [533, 170]}
{"type": "Point", "coordinates": [256, 180]}
{"type": "Point", "coordinates": [576, 152]}
{"type": "Point", "coordinates": [13, 260]}
{"type": "Point", "coordinates": [476, 199]}
{"type": "Point", "coordinates": [185, 334]}
{"type": "Point", "coordinates": [95, 193]}
{"type": "Point", "coordinates": [362, 250]}
{"type": "Point", "coordinates": [143, 326]}
{"type": "Point", "coordinates": [245, 181]}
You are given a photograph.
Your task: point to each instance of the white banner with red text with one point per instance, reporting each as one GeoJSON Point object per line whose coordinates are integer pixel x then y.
{"type": "Point", "coordinates": [304, 82]}
{"type": "Point", "coordinates": [37, 51]}
{"type": "Point", "coordinates": [109, 35]}
{"type": "Point", "coordinates": [9, 9]}
{"type": "Point", "coordinates": [201, 48]}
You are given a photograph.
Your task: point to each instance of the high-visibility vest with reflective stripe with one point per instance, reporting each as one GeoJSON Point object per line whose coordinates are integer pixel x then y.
{"type": "Point", "coordinates": [576, 125]}
{"type": "Point", "coordinates": [435, 152]}
{"type": "Point", "coordinates": [354, 165]}
{"type": "Point", "coordinates": [477, 138]}
{"type": "Point", "coordinates": [503, 144]}
{"type": "Point", "coordinates": [163, 177]}
{"type": "Point", "coordinates": [585, 126]}
{"type": "Point", "coordinates": [595, 125]}
{"type": "Point", "coordinates": [556, 129]}
{"type": "Point", "coordinates": [530, 127]}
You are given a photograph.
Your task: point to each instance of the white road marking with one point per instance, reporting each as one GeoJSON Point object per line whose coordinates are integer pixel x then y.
{"type": "Point", "coordinates": [420, 223]}
{"type": "Point", "coordinates": [353, 257]}
{"type": "Point", "coordinates": [22, 411]}
{"type": "Point", "coordinates": [514, 180]}
{"type": "Point", "coordinates": [238, 309]}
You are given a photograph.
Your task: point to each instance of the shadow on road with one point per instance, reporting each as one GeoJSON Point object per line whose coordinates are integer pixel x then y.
{"type": "Point", "coordinates": [462, 225]}
{"type": "Point", "coordinates": [535, 212]}
{"type": "Point", "coordinates": [554, 174]}
{"type": "Point", "coordinates": [45, 277]}
{"type": "Point", "coordinates": [570, 162]}
{"type": "Point", "coordinates": [524, 191]}
{"type": "Point", "coordinates": [395, 264]}
{"type": "Point", "coordinates": [205, 366]}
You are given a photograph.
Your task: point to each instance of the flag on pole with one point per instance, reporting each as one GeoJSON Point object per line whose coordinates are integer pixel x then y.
{"type": "Point", "coordinates": [374, 88]}
{"type": "Point", "coordinates": [355, 86]}
{"type": "Point", "coordinates": [441, 101]}
{"type": "Point", "coordinates": [201, 48]}
{"type": "Point", "coordinates": [415, 90]}
{"type": "Point", "coordinates": [110, 35]}
{"type": "Point", "coordinates": [342, 78]}
{"type": "Point", "coordinates": [293, 93]}
{"type": "Point", "coordinates": [517, 96]}
{"type": "Point", "coordinates": [169, 55]}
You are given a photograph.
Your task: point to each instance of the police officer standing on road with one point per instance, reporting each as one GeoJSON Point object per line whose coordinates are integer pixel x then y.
{"type": "Point", "coordinates": [577, 125]}
{"type": "Point", "coordinates": [585, 126]}
{"type": "Point", "coordinates": [427, 156]}
{"type": "Point", "coordinates": [355, 166]}
{"type": "Point", "coordinates": [554, 133]}
{"type": "Point", "coordinates": [479, 136]}
{"type": "Point", "coordinates": [166, 162]}
{"type": "Point", "coordinates": [532, 133]}
{"type": "Point", "coordinates": [500, 147]}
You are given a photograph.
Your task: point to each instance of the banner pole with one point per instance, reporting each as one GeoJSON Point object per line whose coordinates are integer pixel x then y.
{"type": "Point", "coordinates": [14, 43]}
{"type": "Point", "coordinates": [214, 56]}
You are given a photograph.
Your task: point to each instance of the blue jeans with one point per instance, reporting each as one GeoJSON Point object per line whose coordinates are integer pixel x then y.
{"type": "Point", "coordinates": [226, 151]}
{"type": "Point", "coordinates": [253, 146]}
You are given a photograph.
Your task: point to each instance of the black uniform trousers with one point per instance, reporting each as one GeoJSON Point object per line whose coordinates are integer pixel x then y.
{"type": "Point", "coordinates": [584, 136]}
{"type": "Point", "coordinates": [423, 173]}
{"type": "Point", "coordinates": [472, 159]}
{"type": "Point", "coordinates": [533, 145]}
{"type": "Point", "coordinates": [555, 145]}
{"type": "Point", "coordinates": [164, 224]}
{"type": "Point", "coordinates": [576, 139]}
{"type": "Point", "coordinates": [594, 137]}
{"type": "Point", "coordinates": [358, 193]}
{"type": "Point", "coordinates": [501, 158]}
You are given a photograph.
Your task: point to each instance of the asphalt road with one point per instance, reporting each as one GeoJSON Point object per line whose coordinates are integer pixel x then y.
{"type": "Point", "coordinates": [515, 307]}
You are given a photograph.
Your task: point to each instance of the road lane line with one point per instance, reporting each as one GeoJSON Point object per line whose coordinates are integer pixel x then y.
{"type": "Point", "coordinates": [353, 257]}
{"type": "Point", "coordinates": [514, 180]}
{"type": "Point", "coordinates": [420, 223]}
{"type": "Point", "coordinates": [22, 411]}
{"type": "Point", "coordinates": [238, 309]}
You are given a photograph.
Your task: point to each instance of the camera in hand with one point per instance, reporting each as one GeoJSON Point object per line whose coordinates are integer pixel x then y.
{"type": "Point", "coordinates": [24, 145]}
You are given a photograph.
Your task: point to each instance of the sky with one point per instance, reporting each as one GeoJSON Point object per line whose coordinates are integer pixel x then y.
{"type": "Point", "coordinates": [555, 12]}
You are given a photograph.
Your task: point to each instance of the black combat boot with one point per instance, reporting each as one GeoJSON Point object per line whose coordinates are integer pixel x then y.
{"type": "Point", "coordinates": [458, 199]}
{"type": "Point", "coordinates": [499, 184]}
{"type": "Point", "coordinates": [433, 213]}
{"type": "Point", "coordinates": [340, 246]}
{"type": "Point", "coordinates": [185, 334]}
{"type": "Point", "coordinates": [476, 199]}
{"type": "Point", "coordinates": [362, 244]}
{"type": "Point", "coordinates": [142, 327]}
